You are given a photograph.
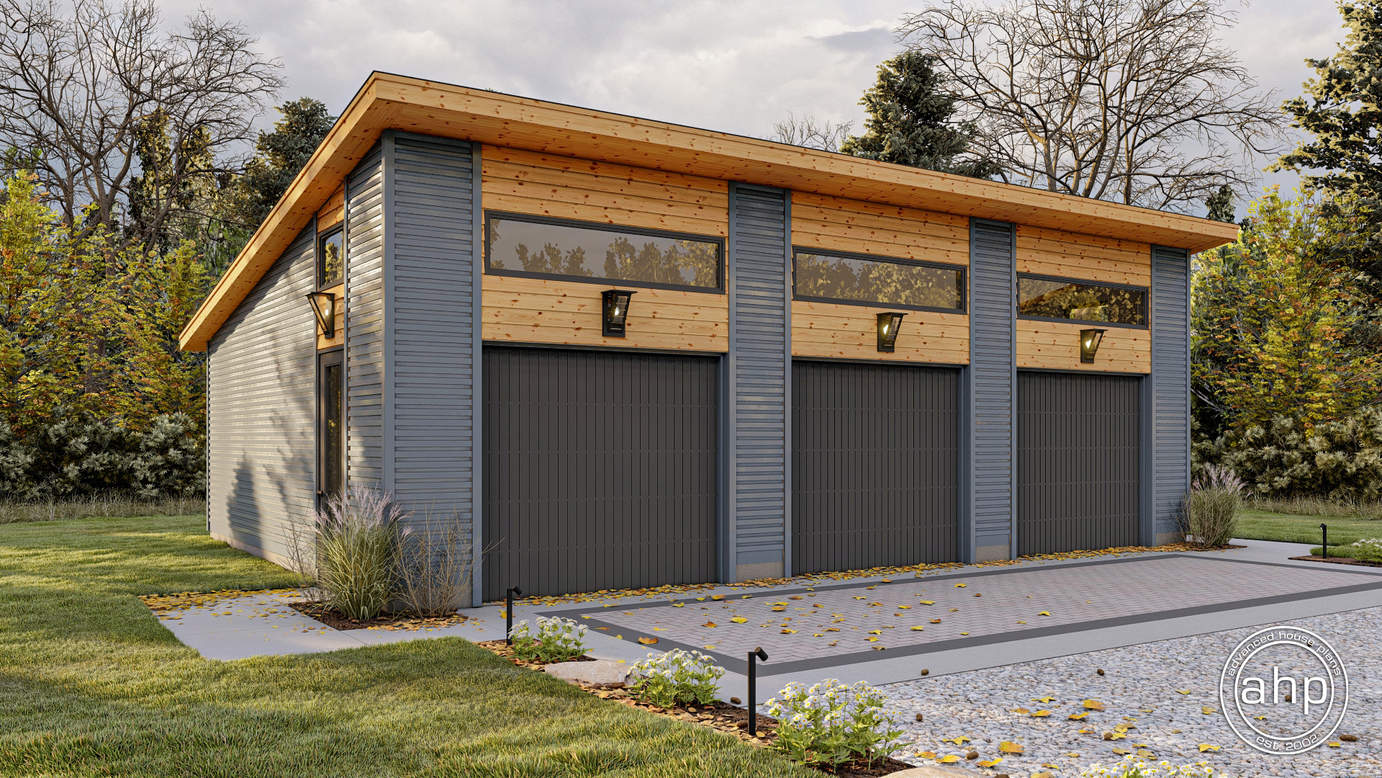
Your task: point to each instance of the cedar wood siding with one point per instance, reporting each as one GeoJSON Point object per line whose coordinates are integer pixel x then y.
{"type": "Point", "coordinates": [261, 402]}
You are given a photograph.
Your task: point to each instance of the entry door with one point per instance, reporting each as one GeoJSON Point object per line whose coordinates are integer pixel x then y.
{"type": "Point", "coordinates": [330, 425]}
{"type": "Point", "coordinates": [875, 466]}
{"type": "Point", "coordinates": [599, 469]}
{"type": "Point", "coordinates": [1078, 438]}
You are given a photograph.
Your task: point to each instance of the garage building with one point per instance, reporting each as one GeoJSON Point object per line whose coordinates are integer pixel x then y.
{"type": "Point", "coordinates": [607, 352]}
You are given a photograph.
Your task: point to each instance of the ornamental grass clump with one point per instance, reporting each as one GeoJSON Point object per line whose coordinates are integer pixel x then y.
{"type": "Point", "coordinates": [1135, 767]}
{"type": "Point", "coordinates": [356, 549]}
{"type": "Point", "coordinates": [1212, 509]}
{"type": "Point", "coordinates": [552, 640]}
{"type": "Point", "coordinates": [832, 723]}
{"type": "Point", "coordinates": [676, 677]}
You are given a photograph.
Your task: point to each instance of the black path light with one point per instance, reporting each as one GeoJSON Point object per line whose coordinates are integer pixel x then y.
{"type": "Point", "coordinates": [512, 592]}
{"type": "Point", "coordinates": [324, 305]}
{"type": "Point", "coordinates": [1324, 541]}
{"type": "Point", "coordinates": [616, 311]}
{"type": "Point", "coordinates": [754, 656]}
{"type": "Point", "coordinates": [888, 325]}
{"type": "Point", "coordinates": [1089, 344]}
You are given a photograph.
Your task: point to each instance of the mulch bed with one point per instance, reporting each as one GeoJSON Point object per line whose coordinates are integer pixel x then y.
{"type": "Point", "coordinates": [1337, 560]}
{"type": "Point", "coordinates": [505, 650]}
{"type": "Point", "coordinates": [722, 716]}
{"type": "Point", "coordinates": [384, 621]}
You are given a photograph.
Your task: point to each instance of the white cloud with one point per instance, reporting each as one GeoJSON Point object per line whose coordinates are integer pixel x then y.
{"type": "Point", "coordinates": [733, 66]}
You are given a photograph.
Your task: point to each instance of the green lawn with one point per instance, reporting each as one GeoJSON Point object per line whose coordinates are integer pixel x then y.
{"type": "Point", "coordinates": [92, 684]}
{"type": "Point", "coordinates": [1261, 525]}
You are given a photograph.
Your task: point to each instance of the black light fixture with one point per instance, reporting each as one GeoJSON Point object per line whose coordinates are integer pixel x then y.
{"type": "Point", "coordinates": [616, 311]}
{"type": "Point", "coordinates": [324, 305]}
{"type": "Point", "coordinates": [888, 325]}
{"type": "Point", "coordinates": [1089, 344]}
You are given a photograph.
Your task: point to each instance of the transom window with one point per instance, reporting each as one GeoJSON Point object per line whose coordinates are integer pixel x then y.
{"type": "Point", "coordinates": [329, 256]}
{"type": "Point", "coordinates": [857, 279]}
{"type": "Point", "coordinates": [549, 248]}
{"type": "Point", "coordinates": [1066, 299]}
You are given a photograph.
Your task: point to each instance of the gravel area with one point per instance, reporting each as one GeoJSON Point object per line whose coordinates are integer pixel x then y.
{"type": "Point", "coordinates": [1166, 691]}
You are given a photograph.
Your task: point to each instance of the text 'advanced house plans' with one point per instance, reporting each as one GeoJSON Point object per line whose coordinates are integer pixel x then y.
{"type": "Point", "coordinates": [612, 352]}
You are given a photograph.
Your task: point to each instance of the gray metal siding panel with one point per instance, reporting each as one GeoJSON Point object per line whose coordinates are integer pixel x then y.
{"type": "Point", "coordinates": [599, 469]}
{"type": "Point", "coordinates": [1170, 378]}
{"type": "Point", "coordinates": [873, 465]}
{"type": "Point", "coordinates": [992, 349]}
{"type": "Point", "coordinates": [1078, 465]}
{"type": "Point", "coordinates": [430, 296]}
{"type": "Point", "coordinates": [365, 311]}
{"type": "Point", "coordinates": [261, 461]}
{"type": "Point", "coordinates": [758, 377]}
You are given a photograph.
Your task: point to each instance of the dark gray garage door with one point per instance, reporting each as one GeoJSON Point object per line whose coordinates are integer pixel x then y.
{"type": "Point", "coordinates": [599, 470]}
{"type": "Point", "coordinates": [1077, 467]}
{"type": "Point", "coordinates": [874, 465]}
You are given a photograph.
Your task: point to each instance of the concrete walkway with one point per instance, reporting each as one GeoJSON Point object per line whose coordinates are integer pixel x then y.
{"type": "Point", "coordinates": [1092, 604]}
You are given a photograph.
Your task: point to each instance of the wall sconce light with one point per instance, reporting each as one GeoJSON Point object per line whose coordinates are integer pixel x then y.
{"type": "Point", "coordinates": [1089, 344]}
{"type": "Point", "coordinates": [616, 311]}
{"type": "Point", "coordinates": [888, 325]}
{"type": "Point", "coordinates": [324, 305]}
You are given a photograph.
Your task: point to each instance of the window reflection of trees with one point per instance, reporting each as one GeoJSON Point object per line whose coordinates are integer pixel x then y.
{"type": "Point", "coordinates": [1083, 302]}
{"type": "Point", "coordinates": [570, 250]}
{"type": "Point", "coordinates": [887, 283]}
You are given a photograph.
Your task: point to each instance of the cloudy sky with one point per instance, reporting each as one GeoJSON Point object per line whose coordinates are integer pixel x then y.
{"type": "Point", "coordinates": [734, 66]}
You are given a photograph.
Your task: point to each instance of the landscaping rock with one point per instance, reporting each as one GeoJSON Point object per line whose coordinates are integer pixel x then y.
{"type": "Point", "coordinates": [601, 672]}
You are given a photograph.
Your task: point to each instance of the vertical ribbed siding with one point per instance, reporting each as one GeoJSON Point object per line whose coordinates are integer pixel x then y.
{"type": "Point", "coordinates": [599, 469]}
{"type": "Point", "coordinates": [991, 388]}
{"type": "Point", "coordinates": [757, 376]}
{"type": "Point", "coordinates": [873, 465]}
{"type": "Point", "coordinates": [261, 408]}
{"type": "Point", "coordinates": [430, 302]}
{"type": "Point", "coordinates": [365, 323]}
{"type": "Point", "coordinates": [1078, 461]}
{"type": "Point", "coordinates": [1170, 377]}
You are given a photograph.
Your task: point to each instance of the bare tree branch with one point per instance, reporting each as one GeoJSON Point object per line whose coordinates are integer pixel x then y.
{"type": "Point", "coordinates": [76, 87]}
{"type": "Point", "coordinates": [812, 133]}
{"type": "Point", "coordinates": [1127, 100]}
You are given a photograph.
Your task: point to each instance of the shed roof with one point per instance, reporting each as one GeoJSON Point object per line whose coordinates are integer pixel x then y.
{"type": "Point", "coordinates": [391, 101]}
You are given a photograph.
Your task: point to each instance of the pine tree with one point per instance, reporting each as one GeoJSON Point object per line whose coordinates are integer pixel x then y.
{"type": "Point", "coordinates": [1342, 111]}
{"type": "Point", "coordinates": [911, 121]}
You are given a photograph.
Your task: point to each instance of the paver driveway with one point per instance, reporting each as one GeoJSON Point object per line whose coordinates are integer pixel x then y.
{"type": "Point", "coordinates": [814, 627]}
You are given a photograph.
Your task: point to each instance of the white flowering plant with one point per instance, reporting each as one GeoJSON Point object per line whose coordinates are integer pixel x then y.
{"type": "Point", "coordinates": [677, 676]}
{"type": "Point", "coordinates": [552, 640]}
{"type": "Point", "coordinates": [1135, 767]}
{"type": "Point", "coordinates": [1365, 550]}
{"type": "Point", "coordinates": [833, 723]}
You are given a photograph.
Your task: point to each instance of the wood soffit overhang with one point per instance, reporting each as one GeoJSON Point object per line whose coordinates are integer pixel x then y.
{"type": "Point", "coordinates": [388, 101]}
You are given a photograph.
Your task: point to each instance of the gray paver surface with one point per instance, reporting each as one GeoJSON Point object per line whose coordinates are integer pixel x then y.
{"type": "Point", "coordinates": [838, 624]}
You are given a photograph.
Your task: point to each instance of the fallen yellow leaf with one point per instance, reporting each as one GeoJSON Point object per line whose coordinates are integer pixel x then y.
{"type": "Point", "coordinates": [1009, 747]}
{"type": "Point", "coordinates": [647, 641]}
{"type": "Point", "coordinates": [1207, 747]}
{"type": "Point", "coordinates": [1093, 705]}
{"type": "Point", "coordinates": [948, 759]}
{"type": "Point", "coordinates": [738, 619]}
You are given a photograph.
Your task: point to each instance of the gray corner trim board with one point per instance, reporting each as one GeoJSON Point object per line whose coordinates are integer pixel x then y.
{"type": "Point", "coordinates": [430, 320]}
{"type": "Point", "coordinates": [364, 322]}
{"type": "Point", "coordinates": [787, 525]}
{"type": "Point", "coordinates": [477, 248]}
{"type": "Point", "coordinates": [1170, 390]}
{"type": "Point", "coordinates": [758, 363]}
{"type": "Point", "coordinates": [990, 391]}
